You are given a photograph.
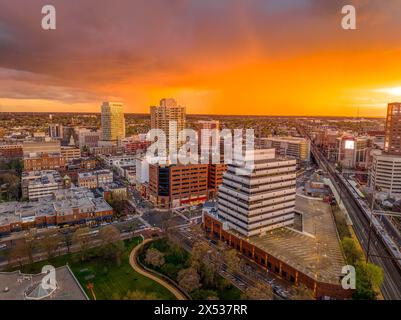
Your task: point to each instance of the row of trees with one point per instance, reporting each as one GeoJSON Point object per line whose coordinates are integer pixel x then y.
{"type": "Point", "coordinates": [369, 277]}
{"type": "Point", "coordinates": [52, 240]}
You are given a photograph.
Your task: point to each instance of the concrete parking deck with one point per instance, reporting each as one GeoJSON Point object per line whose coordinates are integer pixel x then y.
{"type": "Point", "coordinates": [316, 253]}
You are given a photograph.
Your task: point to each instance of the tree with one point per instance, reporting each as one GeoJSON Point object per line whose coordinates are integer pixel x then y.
{"type": "Point", "coordinates": [303, 293]}
{"type": "Point", "coordinates": [50, 242]}
{"type": "Point", "coordinates": [12, 183]}
{"type": "Point", "coordinates": [231, 259]}
{"type": "Point", "coordinates": [260, 291]}
{"type": "Point", "coordinates": [375, 275]}
{"type": "Point", "coordinates": [199, 252]}
{"type": "Point", "coordinates": [351, 251]}
{"type": "Point", "coordinates": [111, 245]}
{"type": "Point", "coordinates": [17, 253]}
{"type": "Point", "coordinates": [81, 238]}
{"type": "Point", "coordinates": [368, 281]}
{"type": "Point", "coordinates": [30, 243]}
{"type": "Point", "coordinates": [189, 279]}
{"type": "Point", "coordinates": [68, 239]}
{"type": "Point", "coordinates": [118, 202]}
{"type": "Point", "coordinates": [154, 257]}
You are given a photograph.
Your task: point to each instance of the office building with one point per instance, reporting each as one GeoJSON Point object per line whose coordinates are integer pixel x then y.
{"type": "Point", "coordinates": [294, 147]}
{"type": "Point", "coordinates": [88, 138]}
{"type": "Point", "coordinates": [39, 184]}
{"type": "Point", "coordinates": [354, 152]}
{"type": "Point", "coordinates": [215, 178]}
{"type": "Point", "coordinates": [113, 122]}
{"type": "Point", "coordinates": [392, 142]}
{"type": "Point", "coordinates": [386, 174]}
{"type": "Point", "coordinates": [56, 131]}
{"type": "Point", "coordinates": [39, 147]}
{"type": "Point", "coordinates": [262, 200]}
{"type": "Point", "coordinates": [70, 153]}
{"type": "Point", "coordinates": [175, 186]}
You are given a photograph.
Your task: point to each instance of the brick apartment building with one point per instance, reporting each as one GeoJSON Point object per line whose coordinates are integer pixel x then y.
{"type": "Point", "coordinates": [11, 151]}
{"type": "Point", "coordinates": [44, 161]}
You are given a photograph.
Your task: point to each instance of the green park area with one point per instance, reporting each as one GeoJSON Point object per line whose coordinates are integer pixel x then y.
{"type": "Point", "coordinates": [109, 278]}
{"type": "Point", "coordinates": [191, 272]}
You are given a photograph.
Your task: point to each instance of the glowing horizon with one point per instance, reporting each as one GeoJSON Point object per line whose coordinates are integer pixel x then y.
{"type": "Point", "coordinates": [232, 57]}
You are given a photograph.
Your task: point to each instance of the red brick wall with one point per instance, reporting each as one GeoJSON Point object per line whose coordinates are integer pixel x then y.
{"type": "Point", "coordinates": [273, 264]}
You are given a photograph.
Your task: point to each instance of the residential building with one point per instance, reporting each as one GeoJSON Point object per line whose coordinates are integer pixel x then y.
{"type": "Point", "coordinates": [44, 161]}
{"type": "Point", "coordinates": [168, 111]}
{"type": "Point", "coordinates": [11, 151]}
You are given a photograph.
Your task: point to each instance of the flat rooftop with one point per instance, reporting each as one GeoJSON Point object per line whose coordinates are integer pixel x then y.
{"type": "Point", "coordinates": [19, 284]}
{"type": "Point", "coordinates": [316, 252]}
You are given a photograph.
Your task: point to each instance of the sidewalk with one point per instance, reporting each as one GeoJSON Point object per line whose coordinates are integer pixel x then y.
{"type": "Point", "coordinates": [134, 264]}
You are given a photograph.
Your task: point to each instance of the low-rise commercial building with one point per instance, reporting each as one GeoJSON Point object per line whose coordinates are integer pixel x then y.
{"type": "Point", "coordinates": [44, 161]}
{"type": "Point", "coordinates": [94, 179]}
{"type": "Point", "coordinates": [294, 147]}
{"type": "Point", "coordinates": [39, 184]}
{"type": "Point", "coordinates": [70, 153]}
{"type": "Point", "coordinates": [62, 207]}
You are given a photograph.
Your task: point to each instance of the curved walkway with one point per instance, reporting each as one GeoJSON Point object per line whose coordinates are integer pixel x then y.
{"type": "Point", "coordinates": [134, 264]}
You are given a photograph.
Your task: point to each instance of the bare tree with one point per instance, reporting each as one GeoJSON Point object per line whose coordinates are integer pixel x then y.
{"type": "Point", "coordinates": [154, 257]}
{"type": "Point", "coordinates": [111, 246]}
{"type": "Point", "coordinates": [189, 279]}
{"type": "Point", "coordinates": [50, 242]}
{"type": "Point", "coordinates": [81, 238]}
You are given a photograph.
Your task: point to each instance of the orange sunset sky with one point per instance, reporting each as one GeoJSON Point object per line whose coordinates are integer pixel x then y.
{"type": "Point", "coordinates": [267, 57]}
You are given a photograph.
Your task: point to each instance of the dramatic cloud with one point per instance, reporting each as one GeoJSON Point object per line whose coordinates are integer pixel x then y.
{"type": "Point", "coordinates": [253, 56]}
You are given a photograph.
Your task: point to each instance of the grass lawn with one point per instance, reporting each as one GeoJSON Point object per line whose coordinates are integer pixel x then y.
{"type": "Point", "coordinates": [109, 280]}
{"type": "Point", "coordinates": [177, 258]}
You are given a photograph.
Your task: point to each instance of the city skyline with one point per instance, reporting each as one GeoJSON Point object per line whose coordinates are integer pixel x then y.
{"type": "Point", "coordinates": [252, 58]}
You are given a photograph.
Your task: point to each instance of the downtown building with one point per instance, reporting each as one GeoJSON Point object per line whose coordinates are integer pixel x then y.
{"type": "Point", "coordinates": [113, 122]}
{"type": "Point", "coordinates": [95, 179]}
{"type": "Point", "coordinates": [256, 216]}
{"type": "Point", "coordinates": [40, 184]}
{"type": "Point", "coordinates": [60, 207]}
{"type": "Point", "coordinates": [174, 186]}
{"type": "Point", "coordinates": [163, 115]}
{"type": "Point", "coordinates": [354, 152]}
{"type": "Point", "coordinates": [262, 200]}
{"type": "Point", "coordinates": [294, 147]}
{"type": "Point", "coordinates": [385, 173]}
